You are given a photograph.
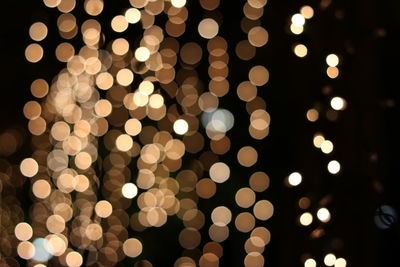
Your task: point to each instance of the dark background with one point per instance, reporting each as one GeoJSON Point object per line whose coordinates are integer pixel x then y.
{"type": "Point", "coordinates": [366, 34]}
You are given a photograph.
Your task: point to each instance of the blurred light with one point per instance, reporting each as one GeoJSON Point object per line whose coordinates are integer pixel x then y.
{"type": "Point", "coordinates": [340, 262]}
{"type": "Point", "coordinates": [332, 60]}
{"type": "Point", "coordinates": [307, 12]}
{"type": "Point", "coordinates": [208, 28]}
{"type": "Point", "coordinates": [181, 127]}
{"type": "Point", "coordinates": [318, 140]}
{"type": "Point", "coordinates": [306, 219]}
{"type": "Point", "coordinates": [294, 179]}
{"type": "Point", "coordinates": [333, 167]}
{"type": "Point", "coordinates": [129, 190]}
{"type": "Point", "coordinates": [329, 259]}
{"type": "Point", "coordinates": [385, 217]}
{"type": "Point", "coordinates": [310, 263]}
{"type": "Point", "coordinates": [338, 103]}
{"type": "Point", "coordinates": [178, 3]}
{"type": "Point", "coordinates": [323, 215]}
{"type": "Point", "coordinates": [326, 146]}
{"type": "Point", "coordinates": [296, 29]}
{"type": "Point", "coordinates": [300, 50]}
{"type": "Point", "coordinates": [298, 20]}
{"type": "Point", "coordinates": [312, 115]}
{"type": "Point", "coordinates": [142, 54]}
{"type": "Point", "coordinates": [41, 253]}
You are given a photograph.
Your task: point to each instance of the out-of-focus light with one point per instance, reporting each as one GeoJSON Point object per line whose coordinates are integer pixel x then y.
{"type": "Point", "coordinates": [129, 190]}
{"type": "Point", "coordinates": [181, 127]}
{"type": "Point", "coordinates": [298, 20]}
{"type": "Point", "coordinates": [142, 54]}
{"type": "Point", "coordinates": [326, 146]}
{"type": "Point", "coordinates": [332, 60]}
{"type": "Point", "coordinates": [307, 12]}
{"type": "Point", "coordinates": [294, 179]}
{"type": "Point", "coordinates": [296, 29]}
{"type": "Point", "coordinates": [334, 167]}
{"type": "Point", "coordinates": [329, 259]}
{"type": "Point", "coordinates": [208, 28]}
{"type": "Point", "coordinates": [312, 115]}
{"type": "Point", "coordinates": [323, 215]}
{"type": "Point", "coordinates": [340, 262]}
{"type": "Point", "coordinates": [133, 15]}
{"type": "Point", "coordinates": [338, 103]}
{"type": "Point", "coordinates": [178, 3]}
{"type": "Point", "coordinates": [310, 263]}
{"type": "Point", "coordinates": [300, 50]}
{"type": "Point", "coordinates": [306, 219]}
{"type": "Point", "coordinates": [318, 140]}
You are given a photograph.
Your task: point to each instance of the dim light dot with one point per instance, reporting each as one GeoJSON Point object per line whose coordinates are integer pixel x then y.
{"type": "Point", "coordinates": [300, 50]}
{"type": "Point", "coordinates": [294, 179]}
{"type": "Point", "coordinates": [306, 219]}
{"type": "Point", "coordinates": [329, 259]}
{"type": "Point", "coordinates": [323, 215]}
{"type": "Point", "coordinates": [181, 126]}
{"type": "Point", "coordinates": [129, 190]}
{"type": "Point", "coordinates": [333, 167]}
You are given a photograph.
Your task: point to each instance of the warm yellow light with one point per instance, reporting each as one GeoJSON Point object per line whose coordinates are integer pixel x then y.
{"type": "Point", "coordinates": [300, 50]}
{"type": "Point", "coordinates": [310, 263]}
{"type": "Point", "coordinates": [294, 179]}
{"type": "Point", "coordinates": [334, 167]}
{"type": "Point", "coordinates": [338, 103]}
{"type": "Point", "coordinates": [178, 3]}
{"type": "Point", "coordinates": [323, 215]}
{"type": "Point", "coordinates": [329, 259]}
{"type": "Point", "coordinates": [133, 15]}
{"type": "Point", "coordinates": [332, 60]}
{"type": "Point", "coordinates": [142, 54]}
{"type": "Point", "coordinates": [340, 262]}
{"type": "Point", "coordinates": [129, 190]}
{"type": "Point", "coordinates": [296, 29]}
{"type": "Point", "coordinates": [298, 20]}
{"type": "Point", "coordinates": [307, 12]}
{"type": "Point", "coordinates": [181, 126]}
{"type": "Point", "coordinates": [326, 146]}
{"type": "Point", "coordinates": [208, 28]}
{"type": "Point", "coordinates": [306, 219]}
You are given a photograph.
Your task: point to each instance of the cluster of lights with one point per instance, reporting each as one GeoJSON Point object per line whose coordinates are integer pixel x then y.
{"type": "Point", "coordinates": [326, 146]}
{"type": "Point", "coordinates": [161, 125]}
